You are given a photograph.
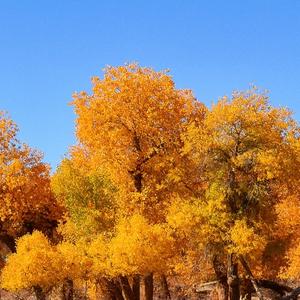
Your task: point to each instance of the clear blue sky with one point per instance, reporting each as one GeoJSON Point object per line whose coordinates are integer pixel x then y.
{"type": "Point", "coordinates": [49, 49]}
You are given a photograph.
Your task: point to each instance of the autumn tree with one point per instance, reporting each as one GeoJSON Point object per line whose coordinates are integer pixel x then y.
{"type": "Point", "coordinates": [131, 125]}
{"type": "Point", "coordinates": [27, 202]}
{"type": "Point", "coordinates": [244, 149]}
{"type": "Point", "coordinates": [90, 201]}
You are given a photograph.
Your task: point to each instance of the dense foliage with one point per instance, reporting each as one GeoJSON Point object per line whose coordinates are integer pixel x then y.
{"type": "Point", "coordinates": [157, 186]}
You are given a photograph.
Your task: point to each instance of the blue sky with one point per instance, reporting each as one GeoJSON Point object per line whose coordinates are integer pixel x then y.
{"type": "Point", "coordinates": [50, 49]}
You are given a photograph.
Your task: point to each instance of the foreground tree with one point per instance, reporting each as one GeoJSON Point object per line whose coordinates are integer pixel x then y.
{"type": "Point", "coordinates": [132, 126]}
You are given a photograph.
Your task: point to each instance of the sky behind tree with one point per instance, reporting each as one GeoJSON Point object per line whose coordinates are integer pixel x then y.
{"type": "Point", "coordinates": [50, 49]}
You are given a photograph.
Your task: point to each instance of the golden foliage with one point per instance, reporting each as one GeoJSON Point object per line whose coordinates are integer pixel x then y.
{"type": "Point", "coordinates": [26, 198]}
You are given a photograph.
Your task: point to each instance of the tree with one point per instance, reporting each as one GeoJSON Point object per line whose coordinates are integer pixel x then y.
{"type": "Point", "coordinates": [41, 265]}
{"type": "Point", "coordinates": [88, 195]}
{"type": "Point", "coordinates": [245, 152]}
{"type": "Point", "coordinates": [27, 202]}
{"type": "Point", "coordinates": [132, 126]}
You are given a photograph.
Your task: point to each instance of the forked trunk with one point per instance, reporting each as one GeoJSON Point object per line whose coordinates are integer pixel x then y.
{"type": "Point", "coordinates": [127, 290]}
{"type": "Point", "coordinates": [110, 290]}
{"type": "Point", "coordinates": [253, 280]}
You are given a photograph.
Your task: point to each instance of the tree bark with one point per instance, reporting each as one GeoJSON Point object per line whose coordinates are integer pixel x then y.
{"type": "Point", "coordinates": [233, 279]}
{"type": "Point", "coordinates": [148, 281]}
{"type": "Point", "coordinates": [128, 293]}
{"type": "Point", "coordinates": [293, 295]}
{"type": "Point", "coordinates": [272, 285]}
{"type": "Point", "coordinates": [68, 289]}
{"type": "Point", "coordinates": [165, 288]}
{"type": "Point", "coordinates": [253, 281]}
{"type": "Point", "coordinates": [111, 290]}
{"type": "Point", "coordinates": [9, 241]}
{"type": "Point", "coordinates": [246, 289]}
{"type": "Point", "coordinates": [136, 286]}
{"type": "Point", "coordinates": [118, 291]}
{"type": "Point", "coordinates": [221, 274]}
{"type": "Point", "coordinates": [39, 293]}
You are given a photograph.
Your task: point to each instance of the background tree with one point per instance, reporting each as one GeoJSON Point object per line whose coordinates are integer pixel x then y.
{"type": "Point", "coordinates": [245, 152]}
{"type": "Point", "coordinates": [27, 202]}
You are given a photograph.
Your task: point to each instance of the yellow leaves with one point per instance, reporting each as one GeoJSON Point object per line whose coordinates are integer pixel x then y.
{"type": "Point", "coordinates": [185, 216]}
{"type": "Point", "coordinates": [35, 263]}
{"type": "Point", "coordinates": [244, 240]}
{"type": "Point", "coordinates": [132, 123]}
{"type": "Point", "coordinates": [139, 247]}
{"type": "Point", "coordinates": [87, 193]}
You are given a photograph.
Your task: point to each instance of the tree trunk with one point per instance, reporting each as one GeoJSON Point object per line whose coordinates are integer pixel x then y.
{"type": "Point", "coordinates": [118, 291]}
{"type": "Point", "coordinates": [253, 281]}
{"type": "Point", "coordinates": [148, 281]}
{"type": "Point", "coordinates": [136, 283]}
{"type": "Point", "coordinates": [39, 293]}
{"type": "Point", "coordinates": [68, 289]}
{"type": "Point", "coordinates": [221, 274]}
{"type": "Point", "coordinates": [128, 293]}
{"type": "Point", "coordinates": [111, 290]}
{"type": "Point", "coordinates": [165, 294]}
{"type": "Point", "coordinates": [279, 288]}
{"type": "Point", "coordinates": [246, 289]}
{"type": "Point", "coordinates": [293, 295]}
{"type": "Point", "coordinates": [233, 279]}
{"type": "Point", "coordinates": [9, 241]}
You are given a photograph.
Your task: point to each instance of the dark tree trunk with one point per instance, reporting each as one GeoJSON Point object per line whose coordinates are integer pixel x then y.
{"type": "Point", "coordinates": [293, 295]}
{"type": "Point", "coordinates": [281, 289]}
{"type": "Point", "coordinates": [253, 281]}
{"type": "Point", "coordinates": [165, 288]}
{"type": "Point", "coordinates": [233, 279]}
{"type": "Point", "coordinates": [136, 283]}
{"type": "Point", "coordinates": [9, 241]}
{"type": "Point", "coordinates": [118, 291]}
{"type": "Point", "coordinates": [221, 274]}
{"type": "Point", "coordinates": [246, 289]}
{"type": "Point", "coordinates": [128, 293]}
{"type": "Point", "coordinates": [39, 293]}
{"type": "Point", "coordinates": [111, 290]}
{"type": "Point", "coordinates": [68, 289]}
{"type": "Point", "coordinates": [148, 281]}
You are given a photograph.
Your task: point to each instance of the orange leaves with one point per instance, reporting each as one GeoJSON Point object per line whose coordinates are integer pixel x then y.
{"type": "Point", "coordinates": [156, 182]}
{"type": "Point", "coordinates": [132, 125]}
{"type": "Point", "coordinates": [26, 198]}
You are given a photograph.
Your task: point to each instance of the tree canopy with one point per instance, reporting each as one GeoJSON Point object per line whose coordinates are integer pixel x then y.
{"type": "Point", "coordinates": [157, 186]}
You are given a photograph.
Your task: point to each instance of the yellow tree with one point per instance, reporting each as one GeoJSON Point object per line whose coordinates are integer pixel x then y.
{"type": "Point", "coordinates": [288, 224]}
{"type": "Point", "coordinates": [41, 265]}
{"type": "Point", "coordinates": [244, 150]}
{"type": "Point", "coordinates": [27, 202]}
{"type": "Point", "coordinates": [87, 194]}
{"type": "Point", "coordinates": [90, 201]}
{"type": "Point", "coordinates": [131, 125]}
